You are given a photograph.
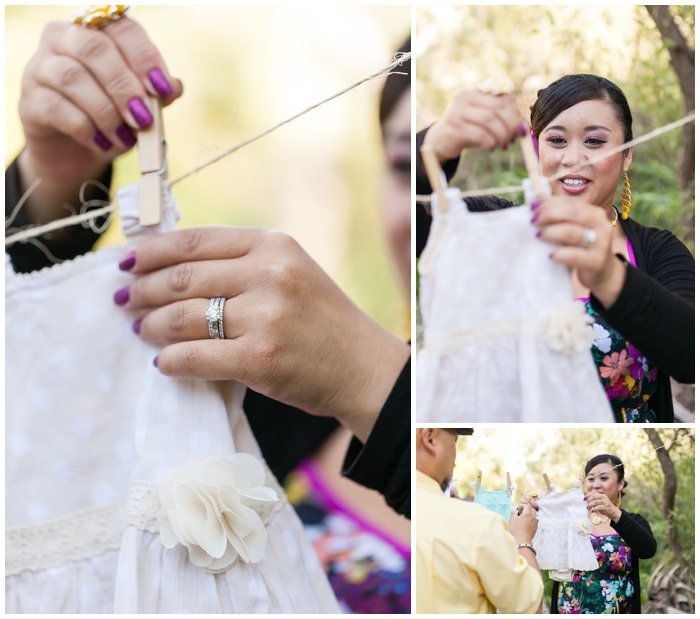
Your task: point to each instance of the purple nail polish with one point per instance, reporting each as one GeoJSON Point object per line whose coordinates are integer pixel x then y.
{"type": "Point", "coordinates": [126, 136]}
{"type": "Point", "coordinates": [140, 111]}
{"type": "Point", "coordinates": [159, 82]}
{"type": "Point", "coordinates": [128, 262]}
{"type": "Point", "coordinates": [121, 296]}
{"type": "Point", "coordinates": [535, 217]}
{"type": "Point", "coordinates": [539, 234]}
{"type": "Point", "coordinates": [137, 326]}
{"type": "Point", "coordinates": [523, 129]}
{"type": "Point", "coordinates": [102, 141]}
{"type": "Point", "coordinates": [535, 206]}
{"type": "Point", "coordinates": [155, 362]}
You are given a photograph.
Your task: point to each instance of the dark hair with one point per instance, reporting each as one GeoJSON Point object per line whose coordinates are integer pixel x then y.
{"type": "Point", "coordinates": [613, 461]}
{"type": "Point", "coordinates": [395, 85]}
{"type": "Point", "coordinates": [569, 90]}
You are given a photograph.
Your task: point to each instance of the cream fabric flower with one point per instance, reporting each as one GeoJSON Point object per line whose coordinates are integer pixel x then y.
{"type": "Point", "coordinates": [209, 506]}
{"type": "Point", "coordinates": [583, 526]}
{"type": "Point", "coordinates": [568, 330]}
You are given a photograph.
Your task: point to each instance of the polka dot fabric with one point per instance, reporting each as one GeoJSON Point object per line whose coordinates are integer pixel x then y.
{"type": "Point", "coordinates": [87, 417]}
{"type": "Point", "coordinates": [488, 295]}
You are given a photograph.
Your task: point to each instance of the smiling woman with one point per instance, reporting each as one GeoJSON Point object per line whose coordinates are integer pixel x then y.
{"type": "Point", "coordinates": [635, 282]}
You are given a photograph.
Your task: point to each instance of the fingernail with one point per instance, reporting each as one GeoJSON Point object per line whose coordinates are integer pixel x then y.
{"type": "Point", "coordinates": [121, 296]}
{"type": "Point", "coordinates": [137, 326]}
{"type": "Point", "coordinates": [539, 234]}
{"type": "Point", "coordinates": [128, 263]}
{"type": "Point", "coordinates": [523, 129]}
{"type": "Point", "coordinates": [504, 147]}
{"type": "Point", "coordinates": [140, 111]}
{"type": "Point", "coordinates": [159, 82]}
{"type": "Point", "coordinates": [535, 206]}
{"type": "Point", "coordinates": [535, 217]}
{"type": "Point", "coordinates": [551, 257]}
{"type": "Point", "coordinates": [126, 136]}
{"type": "Point", "coordinates": [102, 141]}
{"type": "Point", "coordinates": [155, 362]}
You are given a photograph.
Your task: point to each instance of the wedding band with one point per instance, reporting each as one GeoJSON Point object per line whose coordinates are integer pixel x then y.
{"type": "Point", "coordinates": [97, 16]}
{"type": "Point", "coordinates": [589, 236]}
{"type": "Point", "coordinates": [215, 318]}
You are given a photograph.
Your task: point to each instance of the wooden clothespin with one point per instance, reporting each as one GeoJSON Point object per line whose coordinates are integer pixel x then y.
{"type": "Point", "coordinates": [510, 491]}
{"type": "Point", "coordinates": [532, 166]}
{"type": "Point", "coordinates": [435, 175]}
{"type": "Point", "coordinates": [579, 483]}
{"type": "Point", "coordinates": [153, 165]}
{"type": "Point", "coordinates": [478, 481]}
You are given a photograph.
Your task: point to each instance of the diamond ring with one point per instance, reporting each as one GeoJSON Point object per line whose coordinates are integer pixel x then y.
{"type": "Point", "coordinates": [589, 236]}
{"type": "Point", "coordinates": [215, 318]}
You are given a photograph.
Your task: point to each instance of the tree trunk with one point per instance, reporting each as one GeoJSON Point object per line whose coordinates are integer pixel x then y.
{"type": "Point", "coordinates": [683, 63]}
{"type": "Point", "coordinates": [669, 495]}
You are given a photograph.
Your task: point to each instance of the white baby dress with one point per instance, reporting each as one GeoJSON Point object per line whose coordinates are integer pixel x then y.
{"type": "Point", "coordinates": [562, 539]}
{"type": "Point", "coordinates": [503, 338]}
{"type": "Point", "coordinates": [108, 462]}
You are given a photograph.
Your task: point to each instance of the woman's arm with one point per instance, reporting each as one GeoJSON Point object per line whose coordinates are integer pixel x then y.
{"type": "Point", "coordinates": [636, 532]}
{"type": "Point", "coordinates": [655, 311]}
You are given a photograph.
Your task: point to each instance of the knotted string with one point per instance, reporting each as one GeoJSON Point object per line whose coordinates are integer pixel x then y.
{"type": "Point", "coordinates": [34, 231]}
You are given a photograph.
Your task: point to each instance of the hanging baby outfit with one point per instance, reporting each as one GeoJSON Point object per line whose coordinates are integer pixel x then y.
{"type": "Point", "coordinates": [128, 491]}
{"type": "Point", "coordinates": [503, 338]}
{"type": "Point", "coordinates": [496, 501]}
{"type": "Point", "coordinates": [562, 542]}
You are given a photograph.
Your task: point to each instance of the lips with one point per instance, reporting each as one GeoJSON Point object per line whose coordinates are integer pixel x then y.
{"type": "Point", "coordinates": [574, 184]}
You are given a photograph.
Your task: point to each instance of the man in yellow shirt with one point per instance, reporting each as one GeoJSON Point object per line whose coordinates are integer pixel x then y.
{"type": "Point", "coordinates": [466, 559]}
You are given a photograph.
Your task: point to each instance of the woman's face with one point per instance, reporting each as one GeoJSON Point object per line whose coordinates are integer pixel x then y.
{"type": "Point", "coordinates": [601, 479]}
{"type": "Point", "coordinates": [396, 211]}
{"type": "Point", "coordinates": [579, 133]}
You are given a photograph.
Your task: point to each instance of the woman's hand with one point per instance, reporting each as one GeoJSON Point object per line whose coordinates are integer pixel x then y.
{"type": "Point", "coordinates": [523, 526]}
{"type": "Point", "coordinates": [530, 500]}
{"type": "Point", "coordinates": [602, 505]}
{"type": "Point", "coordinates": [476, 119]}
{"type": "Point", "coordinates": [291, 333]}
{"type": "Point", "coordinates": [584, 236]}
{"type": "Point", "coordinates": [83, 95]}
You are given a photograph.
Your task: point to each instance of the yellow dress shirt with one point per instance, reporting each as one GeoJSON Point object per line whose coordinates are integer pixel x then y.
{"type": "Point", "coordinates": [466, 561]}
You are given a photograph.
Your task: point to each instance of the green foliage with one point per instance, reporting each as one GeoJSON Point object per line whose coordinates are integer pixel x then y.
{"type": "Point", "coordinates": [535, 45]}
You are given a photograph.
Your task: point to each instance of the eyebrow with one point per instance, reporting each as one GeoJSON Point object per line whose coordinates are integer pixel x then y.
{"type": "Point", "coordinates": [589, 128]}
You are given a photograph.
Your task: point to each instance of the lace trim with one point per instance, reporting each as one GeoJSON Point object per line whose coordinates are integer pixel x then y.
{"type": "Point", "coordinates": [438, 344]}
{"type": "Point", "coordinates": [75, 537]}
{"type": "Point", "coordinates": [91, 532]}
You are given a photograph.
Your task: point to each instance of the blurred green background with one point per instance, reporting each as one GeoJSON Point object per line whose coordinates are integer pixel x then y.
{"type": "Point", "coordinates": [246, 68]}
{"type": "Point", "coordinates": [457, 47]}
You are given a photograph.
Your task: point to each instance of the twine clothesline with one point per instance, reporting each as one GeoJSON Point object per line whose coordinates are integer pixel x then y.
{"type": "Point", "coordinates": [34, 231]}
{"type": "Point", "coordinates": [478, 193]}
{"type": "Point", "coordinates": [612, 468]}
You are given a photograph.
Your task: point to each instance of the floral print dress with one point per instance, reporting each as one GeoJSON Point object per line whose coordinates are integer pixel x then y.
{"type": "Point", "coordinates": [369, 572]}
{"type": "Point", "coordinates": [609, 589]}
{"type": "Point", "coordinates": [627, 376]}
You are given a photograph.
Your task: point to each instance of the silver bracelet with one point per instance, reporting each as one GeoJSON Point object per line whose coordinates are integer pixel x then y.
{"type": "Point", "coordinates": [527, 546]}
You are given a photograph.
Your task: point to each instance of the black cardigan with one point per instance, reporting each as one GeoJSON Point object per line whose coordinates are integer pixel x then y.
{"type": "Point", "coordinates": [656, 307]}
{"type": "Point", "coordinates": [286, 435]}
{"type": "Point", "coordinates": [637, 534]}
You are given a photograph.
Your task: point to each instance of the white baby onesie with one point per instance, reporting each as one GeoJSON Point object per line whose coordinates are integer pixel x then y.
{"type": "Point", "coordinates": [503, 338]}
{"type": "Point", "coordinates": [108, 461]}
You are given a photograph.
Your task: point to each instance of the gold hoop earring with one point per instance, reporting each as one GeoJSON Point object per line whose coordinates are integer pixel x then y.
{"type": "Point", "coordinates": [626, 198]}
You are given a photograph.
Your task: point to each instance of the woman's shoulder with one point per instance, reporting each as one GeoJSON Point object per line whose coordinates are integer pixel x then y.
{"type": "Point", "coordinates": [657, 240]}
